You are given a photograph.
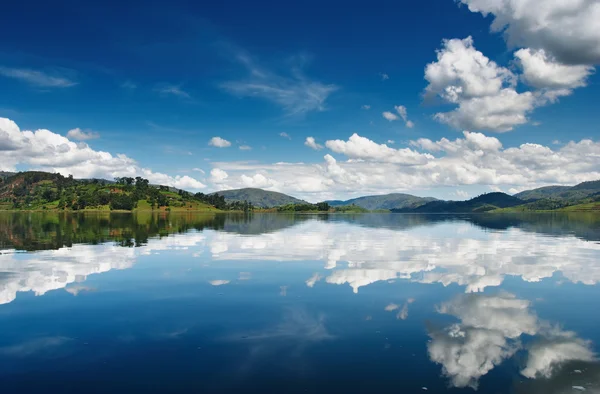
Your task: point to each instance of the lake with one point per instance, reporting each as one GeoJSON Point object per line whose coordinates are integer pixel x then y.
{"type": "Point", "coordinates": [377, 303]}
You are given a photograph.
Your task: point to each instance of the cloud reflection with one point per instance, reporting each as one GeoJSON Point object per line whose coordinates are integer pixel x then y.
{"type": "Point", "coordinates": [489, 331]}
{"type": "Point", "coordinates": [476, 259]}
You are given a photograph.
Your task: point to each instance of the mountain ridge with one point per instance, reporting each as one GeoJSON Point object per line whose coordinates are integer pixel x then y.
{"type": "Point", "coordinates": [258, 197]}
{"type": "Point", "coordinates": [384, 201]}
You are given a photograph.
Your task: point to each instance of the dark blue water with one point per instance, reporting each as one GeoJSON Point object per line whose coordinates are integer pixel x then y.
{"type": "Point", "coordinates": [274, 303]}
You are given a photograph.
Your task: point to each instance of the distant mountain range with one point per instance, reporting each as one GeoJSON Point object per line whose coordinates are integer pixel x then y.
{"type": "Point", "coordinates": [385, 201]}
{"type": "Point", "coordinates": [41, 188]}
{"type": "Point", "coordinates": [259, 197]}
{"type": "Point", "coordinates": [484, 203]}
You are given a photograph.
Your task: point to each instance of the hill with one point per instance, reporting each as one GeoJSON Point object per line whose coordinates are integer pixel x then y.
{"type": "Point", "coordinates": [36, 190]}
{"type": "Point", "coordinates": [569, 194]}
{"type": "Point", "coordinates": [484, 203]}
{"type": "Point", "coordinates": [386, 201]}
{"type": "Point", "coordinates": [258, 197]}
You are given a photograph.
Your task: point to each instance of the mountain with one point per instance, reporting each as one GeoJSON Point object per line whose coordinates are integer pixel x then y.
{"type": "Point", "coordinates": [568, 193]}
{"type": "Point", "coordinates": [258, 197]}
{"type": "Point", "coordinates": [483, 203]}
{"type": "Point", "coordinates": [5, 174]}
{"type": "Point", "coordinates": [385, 201]}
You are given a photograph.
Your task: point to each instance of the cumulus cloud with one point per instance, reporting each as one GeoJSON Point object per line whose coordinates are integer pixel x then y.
{"type": "Point", "coordinates": [218, 176]}
{"type": "Point", "coordinates": [219, 142]}
{"type": "Point", "coordinates": [81, 135]}
{"type": "Point", "coordinates": [366, 107]}
{"type": "Point", "coordinates": [473, 159]}
{"type": "Point", "coordinates": [47, 151]}
{"type": "Point", "coordinates": [38, 78]}
{"type": "Point", "coordinates": [311, 143]}
{"type": "Point", "coordinates": [543, 72]}
{"type": "Point", "coordinates": [389, 116]}
{"type": "Point", "coordinates": [256, 181]}
{"type": "Point", "coordinates": [295, 93]}
{"type": "Point", "coordinates": [358, 147]}
{"type": "Point", "coordinates": [285, 135]}
{"type": "Point", "coordinates": [483, 91]}
{"type": "Point", "coordinates": [568, 30]}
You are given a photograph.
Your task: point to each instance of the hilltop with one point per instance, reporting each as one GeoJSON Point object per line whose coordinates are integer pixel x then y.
{"type": "Point", "coordinates": [259, 197]}
{"type": "Point", "coordinates": [385, 201]}
{"type": "Point", "coordinates": [484, 203]}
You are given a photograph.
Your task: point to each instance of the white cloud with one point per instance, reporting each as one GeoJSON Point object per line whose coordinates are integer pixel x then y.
{"type": "Point", "coordinates": [256, 181]}
{"type": "Point", "coordinates": [38, 78]}
{"type": "Point", "coordinates": [483, 91]}
{"type": "Point", "coordinates": [218, 176]}
{"type": "Point", "coordinates": [219, 142]}
{"type": "Point", "coordinates": [245, 147]}
{"type": "Point", "coordinates": [174, 90]}
{"type": "Point", "coordinates": [401, 109]}
{"type": "Point", "coordinates": [358, 147]}
{"type": "Point", "coordinates": [389, 116]}
{"type": "Point", "coordinates": [567, 30]}
{"type": "Point", "coordinates": [384, 76]}
{"type": "Point", "coordinates": [311, 143]}
{"type": "Point", "coordinates": [47, 151]}
{"type": "Point", "coordinates": [285, 135]}
{"type": "Point", "coordinates": [296, 93]}
{"type": "Point", "coordinates": [218, 282]}
{"type": "Point", "coordinates": [462, 194]}
{"type": "Point", "coordinates": [391, 307]}
{"type": "Point", "coordinates": [391, 142]}
{"type": "Point", "coordinates": [473, 159]}
{"type": "Point", "coordinates": [543, 72]}
{"type": "Point", "coordinates": [81, 135]}
{"type": "Point", "coordinates": [366, 107]}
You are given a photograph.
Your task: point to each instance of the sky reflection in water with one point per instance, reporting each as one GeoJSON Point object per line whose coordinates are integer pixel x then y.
{"type": "Point", "coordinates": [274, 302]}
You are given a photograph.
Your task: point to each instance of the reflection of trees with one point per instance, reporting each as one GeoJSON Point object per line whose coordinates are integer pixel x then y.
{"type": "Point", "coordinates": [40, 231]}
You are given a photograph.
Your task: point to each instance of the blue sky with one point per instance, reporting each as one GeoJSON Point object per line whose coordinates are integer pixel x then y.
{"type": "Point", "coordinates": [156, 81]}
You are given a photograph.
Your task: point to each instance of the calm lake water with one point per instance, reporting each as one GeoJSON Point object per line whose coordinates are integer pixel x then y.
{"type": "Point", "coordinates": [267, 303]}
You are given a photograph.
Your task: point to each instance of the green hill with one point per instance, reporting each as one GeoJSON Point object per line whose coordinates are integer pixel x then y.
{"type": "Point", "coordinates": [569, 194]}
{"type": "Point", "coordinates": [258, 197]}
{"type": "Point", "coordinates": [385, 201]}
{"type": "Point", "coordinates": [36, 190]}
{"type": "Point", "coordinates": [483, 203]}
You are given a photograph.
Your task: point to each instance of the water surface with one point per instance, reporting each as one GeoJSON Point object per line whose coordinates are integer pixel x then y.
{"type": "Point", "coordinates": [283, 303]}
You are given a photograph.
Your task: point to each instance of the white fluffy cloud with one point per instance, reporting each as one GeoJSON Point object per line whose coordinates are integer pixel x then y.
{"type": "Point", "coordinates": [358, 147]}
{"type": "Point", "coordinates": [219, 142]}
{"type": "Point", "coordinates": [47, 151]}
{"type": "Point", "coordinates": [568, 30]}
{"type": "Point", "coordinates": [402, 111]}
{"type": "Point", "coordinates": [218, 176]}
{"type": "Point", "coordinates": [473, 159]}
{"type": "Point", "coordinates": [81, 135]}
{"type": "Point", "coordinates": [312, 143]}
{"type": "Point", "coordinates": [542, 72]}
{"type": "Point", "coordinates": [483, 91]}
